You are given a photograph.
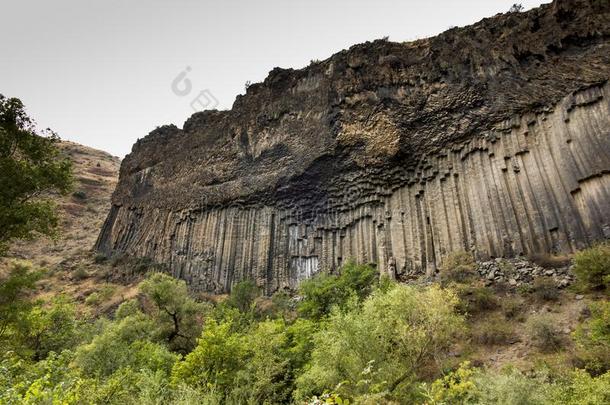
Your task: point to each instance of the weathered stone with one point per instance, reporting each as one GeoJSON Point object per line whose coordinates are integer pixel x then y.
{"type": "Point", "coordinates": [386, 150]}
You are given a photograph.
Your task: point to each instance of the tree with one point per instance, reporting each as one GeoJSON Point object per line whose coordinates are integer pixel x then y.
{"type": "Point", "coordinates": [178, 315]}
{"type": "Point", "coordinates": [30, 167]}
{"type": "Point", "coordinates": [516, 8]}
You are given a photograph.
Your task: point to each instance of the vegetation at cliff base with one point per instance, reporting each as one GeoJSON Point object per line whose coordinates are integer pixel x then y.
{"type": "Point", "coordinates": [343, 338]}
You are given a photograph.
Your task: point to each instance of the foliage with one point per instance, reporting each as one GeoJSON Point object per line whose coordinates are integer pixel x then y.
{"type": "Point", "coordinates": [544, 289]}
{"type": "Point", "coordinates": [512, 308]}
{"type": "Point", "coordinates": [592, 266]}
{"type": "Point", "coordinates": [475, 299]}
{"type": "Point", "coordinates": [324, 291]}
{"type": "Point", "coordinates": [593, 338]}
{"type": "Point", "coordinates": [493, 331]}
{"type": "Point", "coordinates": [457, 387]}
{"type": "Point", "coordinates": [49, 328]}
{"type": "Point", "coordinates": [458, 267]}
{"type": "Point", "coordinates": [30, 167]}
{"type": "Point", "coordinates": [14, 288]}
{"type": "Point", "coordinates": [243, 295]}
{"type": "Point", "coordinates": [103, 294]}
{"type": "Point", "coordinates": [128, 342]}
{"type": "Point", "coordinates": [177, 314]}
{"type": "Point", "coordinates": [511, 387]}
{"type": "Point", "coordinates": [543, 332]}
{"type": "Point", "coordinates": [582, 389]}
{"type": "Point", "coordinates": [382, 346]}
{"type": "Point", "coordinates": [215, 361]}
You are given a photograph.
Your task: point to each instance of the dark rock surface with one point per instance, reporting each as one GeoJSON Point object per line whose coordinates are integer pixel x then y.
{"type": "Point", "coordinates": [491, 138]}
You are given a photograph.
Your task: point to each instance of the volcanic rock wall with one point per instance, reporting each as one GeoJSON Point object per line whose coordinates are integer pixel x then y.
{"type": "Point", "coordinates": [492, 138]}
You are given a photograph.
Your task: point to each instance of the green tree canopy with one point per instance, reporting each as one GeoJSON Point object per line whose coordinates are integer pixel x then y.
{"type": "Point", "coordinates": [31, 167]}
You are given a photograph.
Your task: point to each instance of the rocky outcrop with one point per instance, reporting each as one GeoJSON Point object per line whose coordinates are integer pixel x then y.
{"type": "Point", "coordinates": [492, 138]}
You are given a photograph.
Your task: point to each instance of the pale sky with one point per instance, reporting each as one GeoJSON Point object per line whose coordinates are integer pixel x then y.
{"type": "Point", "coordinates": [100, 72]}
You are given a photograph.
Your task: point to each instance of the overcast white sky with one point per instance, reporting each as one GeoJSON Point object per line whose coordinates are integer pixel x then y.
{"type": "Point", "coordinates": [100, 72]}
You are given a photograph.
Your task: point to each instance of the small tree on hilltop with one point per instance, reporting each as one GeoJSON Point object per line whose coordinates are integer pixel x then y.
{"type": "Point", "coordinates": [516, 8]}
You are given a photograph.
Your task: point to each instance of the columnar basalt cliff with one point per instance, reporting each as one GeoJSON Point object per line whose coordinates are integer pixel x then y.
{"type": "Point", "coordinates": [492, 138]}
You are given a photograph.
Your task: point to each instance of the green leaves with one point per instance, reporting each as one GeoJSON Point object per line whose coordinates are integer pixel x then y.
{"type": "Point", "coordinates": [380, 347]}
{"type": "Point", "coordinates": [30, 168]}
{"type": "Point", "coordinates": [324, 291]}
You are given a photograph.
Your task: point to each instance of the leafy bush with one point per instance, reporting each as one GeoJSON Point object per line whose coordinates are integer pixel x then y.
{"type": "Point", "coordinates": [80, 274]}
{"type": "Point", "coordinates": [544, 289]}
{"type": "Point", "coordinates": [324, 291]}
{"type": "Point", "coordinates": [14, 289]}
{"type": "Point", "coordinates": [128, 342]}
{"type": "Point", "coordinates": [544, 333]}
{"type": "Point", "coordinates": [580, 388]}
{"type": "Point", "coordinates": [476, 299]}
{"type": "Point", "coordinates": [511, 387]}
{"type": "Point", "coordinates": [592, 266]}
{"type": "Point", "coordinates": [456, 387]}
{"type": "Point", "coordinates": [243, 295]}
{"type": "Point", "coordinates": [382, 346]}
{"type": "Point", "coordinates": [512, 308]}
{"type": "Point", "coordinates": [458, 266]}
{"type": "Point", "coordinates": [592, 338]}
{"type": "Point", "coordinates": [215, 361]}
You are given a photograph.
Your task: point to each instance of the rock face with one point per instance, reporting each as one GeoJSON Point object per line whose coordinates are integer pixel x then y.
{"type": "Point", "coordinates": [492, 138]}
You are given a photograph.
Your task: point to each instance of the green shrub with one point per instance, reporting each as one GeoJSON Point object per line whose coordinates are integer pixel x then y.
{"type": "Point", "coordinates": [511, 387]}
{"type": "Point", "coordinates": [512, 308]}
{"type": "Point", "coordinates": [582, 389]}
{"type": "Point", "coordinates": [103, 294]}
{"type": "Point", "coordinates": [543, 332]}
{"type": "Point", "coordinates": [456, 387]}
{"type": "Point", "coordinates": [493, 331]}
{"type": "Point", "coordinates": [592, 266]}
{"type": "Point", "coordinates": [215, 361]}
{"type": "Point", "coordinates": [243, 295]}
{"type": "Point", "coordinates": [80, 274]}
{"type": "Point", "coordinates": [49, 327]}
{"type": "Point", "coordinates": [544, 289]}
{"type": "Point", "coordinates": [458, 267]}
{"type": "Point", "coordinates": [120, 345]}
{"type": "Point", "coordinates": [15, 287]}
{"type": "Point", "coordinates": [592, 338]}
{"type": "Point", "coordinates": [475, 299]}
{"type": "Point", "coordinates": [381, 346]}
{"type": "Point", "coordinates": [323, 291]}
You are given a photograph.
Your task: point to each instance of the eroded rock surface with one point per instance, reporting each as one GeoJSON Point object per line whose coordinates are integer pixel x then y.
{"type": "Point", "coordinates": [492, 138]}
